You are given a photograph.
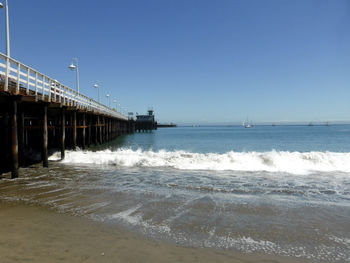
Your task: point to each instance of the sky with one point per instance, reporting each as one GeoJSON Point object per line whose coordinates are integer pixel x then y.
{"type": "Point", "coordinates": [195, 61]}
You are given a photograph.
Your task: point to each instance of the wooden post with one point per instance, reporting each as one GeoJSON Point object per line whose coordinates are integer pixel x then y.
{"type": "Point", "coordinates": [89, 131]}
{"type": "Point", "coordinates": [63, 132]}
{"type": "Point", "coordinates": [21, 143]}
{"type": "Point", "coordinates": [99, 130]}
{"type": "Point", "coordinates": [103, 130]}
{"type": "Point", "coordinates": [14, 141]}
{"type": "Point", "coordinates": [107, 128]}
{"type": "Point", "coordinates": [70, 129]}
{"type": "Point", "coordinates": [113, 130]}
{"type": "Point", "coordinates": [4, 140]}
{"type": "Point", "coordinates": [112, 127]}
{"type": "Point", "coordinates": [96, 129]}
{"type": "Point", "coordinates": [118, 128]}
{"type": "Point", "coordinates": [84, 131]}
{"type": "Point", "coordinates": [74, 130]}
{"type": "Point", "coordinates": [45, 139]}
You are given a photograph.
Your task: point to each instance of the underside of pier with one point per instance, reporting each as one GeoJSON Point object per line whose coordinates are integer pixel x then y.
{"type": "Point", "coordinates": [30, 128]}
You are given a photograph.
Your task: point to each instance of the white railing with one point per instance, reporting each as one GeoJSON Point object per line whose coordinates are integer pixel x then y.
{"type": "Point", "coordinates": [47, 89]}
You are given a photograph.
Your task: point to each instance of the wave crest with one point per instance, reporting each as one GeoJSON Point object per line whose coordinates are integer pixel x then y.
{"type": "Point", "coordinates": [272, 161]}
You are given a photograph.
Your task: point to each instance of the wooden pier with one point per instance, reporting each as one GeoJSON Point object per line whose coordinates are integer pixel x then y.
{"type": "Point", "coordinates": [37, 114]}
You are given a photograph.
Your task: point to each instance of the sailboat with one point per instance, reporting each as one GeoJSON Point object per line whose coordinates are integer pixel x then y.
{"type": "Point", "coordinates": [246, 124]}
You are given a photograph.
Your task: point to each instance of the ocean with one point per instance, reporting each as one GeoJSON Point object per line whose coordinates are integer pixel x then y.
{"type": "Point", "coordinates": [282, 190]}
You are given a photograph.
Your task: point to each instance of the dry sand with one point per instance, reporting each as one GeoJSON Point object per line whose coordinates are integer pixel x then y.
{"type": "Point", "coordinates": [35, 234]}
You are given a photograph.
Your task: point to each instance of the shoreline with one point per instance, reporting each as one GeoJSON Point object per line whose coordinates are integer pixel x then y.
{"type": "Point", "coordinates": [37, 234]}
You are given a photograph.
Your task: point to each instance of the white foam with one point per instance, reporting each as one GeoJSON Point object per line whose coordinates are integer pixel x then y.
{"type": "Point", "coordinates": [127, 216]}
{"type": "Point", "coordinates": [272, 161]}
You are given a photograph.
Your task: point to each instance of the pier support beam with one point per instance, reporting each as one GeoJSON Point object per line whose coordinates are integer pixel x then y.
{"type": "Point", "coordinates": [63, 132]}
{"type": "Point", "coordinates": [74, 130]}
{"type": "Point", "coordinates": [21, 143]}
{"type": "Point", "coordinates": [89, 131]}
{"type": "Point", "coordinates": [84, 131]}
{"type": "Point", "coordinates": [107, 129]}
{"type": "Point", "coordinates": [14, 141]}
{"type": "Point", "coordinates": [103, 129]}
{"type": "Point", "coordinates": [96, 129]}
{"type": "Point", "coordinates": [99, 129]}
{"type": "Point", "coordinates": [45, 139]}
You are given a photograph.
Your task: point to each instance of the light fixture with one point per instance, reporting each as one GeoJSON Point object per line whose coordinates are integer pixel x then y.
{"type": "Point", "coordinates": [72, 66]}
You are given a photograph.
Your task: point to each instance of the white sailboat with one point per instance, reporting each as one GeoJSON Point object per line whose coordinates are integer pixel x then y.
{"type": "Point", "coordinates": [246, 124]}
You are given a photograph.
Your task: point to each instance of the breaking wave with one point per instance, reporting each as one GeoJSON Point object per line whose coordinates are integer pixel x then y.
{"type": "Point", "coordinates": [272, 161]}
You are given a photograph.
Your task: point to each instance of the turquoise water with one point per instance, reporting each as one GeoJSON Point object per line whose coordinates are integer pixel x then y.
{"type": "Point", "coordinates": [281, 190]}
{"type": "Point", "coordinates": [221, 139]}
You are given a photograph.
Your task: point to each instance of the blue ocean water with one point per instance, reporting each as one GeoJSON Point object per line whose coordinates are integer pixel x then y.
{"type": "Point", "coordinates": [281, 190]}
{"type": "Point", "coordinates": [260, 138]}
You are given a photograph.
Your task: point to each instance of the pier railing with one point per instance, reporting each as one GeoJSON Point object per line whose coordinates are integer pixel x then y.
{"type": "Point", "coordinates": [30, 81]}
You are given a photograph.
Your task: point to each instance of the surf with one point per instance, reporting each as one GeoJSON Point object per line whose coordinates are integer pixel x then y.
{"type": "Point", "coordinates": [271, 161]}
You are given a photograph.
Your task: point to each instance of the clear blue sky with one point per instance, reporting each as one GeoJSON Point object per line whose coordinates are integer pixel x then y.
{"type": "Point", "coordinates": [195, 60]}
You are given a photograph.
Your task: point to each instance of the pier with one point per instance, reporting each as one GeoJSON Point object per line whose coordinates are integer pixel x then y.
{"type": "Point", "coordinates": [38, 114]}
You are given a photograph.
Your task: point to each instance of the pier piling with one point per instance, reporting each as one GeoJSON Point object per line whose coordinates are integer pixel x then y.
{"type": "Point", "coordinates": [21, 143]}
{"type": "Point", "coordinates": [74, 130]}
{"type": "Point", "coordinates": [84, 131]}
{"type": "Point", "coordinates": [14, 141]}
{"type": "Point", "coordinates": [99, 129]}
{"type": "Point", "coordinates": [96, 129]}
{"type": "Point", "coordinates": [63, 132]}
{"type": "Point", "coordinates": [89, 131]}
{"type": "Point", "coordinates": [45, 138]}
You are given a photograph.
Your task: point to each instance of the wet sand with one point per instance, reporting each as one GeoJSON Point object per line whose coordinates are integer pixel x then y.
{"type": "Point", "coordinates": [36, 234]}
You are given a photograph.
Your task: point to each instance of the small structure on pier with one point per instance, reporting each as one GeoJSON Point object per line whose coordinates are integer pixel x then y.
{"type": "Point", "coordinates": [145, 122]}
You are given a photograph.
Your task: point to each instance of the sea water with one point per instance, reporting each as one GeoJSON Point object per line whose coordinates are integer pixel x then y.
{"type": "Point", "coordinates": [281, 190]}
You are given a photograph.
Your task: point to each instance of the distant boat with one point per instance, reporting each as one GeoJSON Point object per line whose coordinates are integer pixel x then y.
{"type": "Point", "coordinates": [246, 124]}
{"type": "Point", "coordinates": [310, 124]}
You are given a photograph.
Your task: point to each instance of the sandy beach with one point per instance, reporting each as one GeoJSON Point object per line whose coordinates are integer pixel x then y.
{"type": "Point", "coordinates": [35, 234]}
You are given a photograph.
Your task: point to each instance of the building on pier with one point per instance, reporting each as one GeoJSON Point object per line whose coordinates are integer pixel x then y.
{"type": "Point", "coordinates": [145, 122]}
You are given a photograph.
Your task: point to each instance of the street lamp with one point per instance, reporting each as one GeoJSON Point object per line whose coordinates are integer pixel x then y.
{"type": "Point", "coordinates": [73, 66]}
{"type": "Point", "coordinates": [109, 100]}
{"type": "Point", "coordinates": [115, 101]}
{"type": "Point", "coordinates": [7, 29]}
{"type": "Point", "coordinates": [98, 90]}
{"type": "Point", "coordinates": [7, 44]}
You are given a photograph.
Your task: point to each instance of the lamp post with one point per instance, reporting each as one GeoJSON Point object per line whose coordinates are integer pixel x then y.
{"type": "Point", "coordinates": [115, 101]}
{"type": "Point", "coordinates": [7, 42]}
{"type": "Point", "coordinates": [109, 100]}
{"type": "Point", "coordinates": [7, 28]}
{"type": "Point", "coordinates": [73, 66]}
{"type": "Point", "coordinates": [98, 92]}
